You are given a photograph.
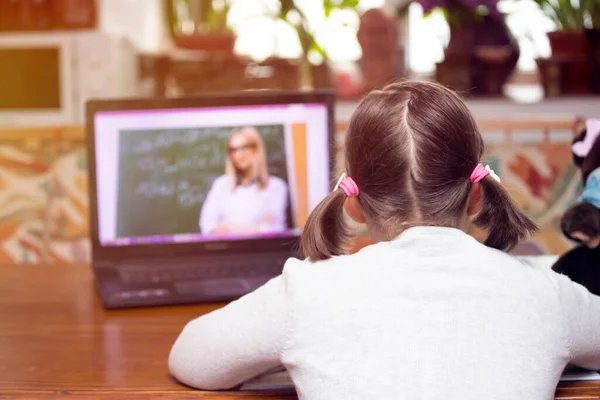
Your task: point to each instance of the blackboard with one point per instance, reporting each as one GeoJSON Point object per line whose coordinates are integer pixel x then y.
{"type": "Point", "coordinates": [165, 174]}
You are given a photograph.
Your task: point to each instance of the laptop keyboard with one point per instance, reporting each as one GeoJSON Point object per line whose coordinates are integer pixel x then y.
{"type": "Point", "coordinates": [171, 270]}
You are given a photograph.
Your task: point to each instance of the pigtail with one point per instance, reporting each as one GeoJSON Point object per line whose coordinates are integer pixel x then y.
{"type": "Point", "coordinates": [326, 233]}
{"type": "Point", "coordinates": [505, 223]}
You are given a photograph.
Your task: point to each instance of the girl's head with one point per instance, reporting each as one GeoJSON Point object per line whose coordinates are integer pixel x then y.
{"type": "Point", "coordinates": [411, 149]}
{"type": "Point", "coordinates": [246, 157]}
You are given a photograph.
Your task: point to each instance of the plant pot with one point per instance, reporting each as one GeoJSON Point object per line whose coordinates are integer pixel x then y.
{"type": "Point", "coordinates": [562, 76]}
{"type": "Point", "coordinates": [215, 42]}
{"type": "Point", "coordinates": [568, 43]}
{"type": "Point", "coordinates": [568, 70]}
{"type": "Point", "coordinates": [462, 40]}
{"type": "Point", "coordinates": [496, 54]}
{"type": "Point", "coordinates": [455, 71]}
{"type": "Point", "coordinates": [479, 58]}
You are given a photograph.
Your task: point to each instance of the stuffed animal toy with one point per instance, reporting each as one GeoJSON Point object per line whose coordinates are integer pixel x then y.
{"type": "Point", "coordinates": [581, 222]}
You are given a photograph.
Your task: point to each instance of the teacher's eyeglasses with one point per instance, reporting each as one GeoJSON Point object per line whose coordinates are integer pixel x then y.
{"type": "Point", "coordinates": [244, 148]}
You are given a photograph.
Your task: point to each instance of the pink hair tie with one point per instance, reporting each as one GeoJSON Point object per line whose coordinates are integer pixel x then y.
{"type": "Point", "coordinates": [349, 187]}
{"type": "Point", "coordinates": [481, 172]}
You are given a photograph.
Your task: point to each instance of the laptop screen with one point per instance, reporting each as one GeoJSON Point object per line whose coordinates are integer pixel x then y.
{"type": "Point", "coordinates": [179, 175]}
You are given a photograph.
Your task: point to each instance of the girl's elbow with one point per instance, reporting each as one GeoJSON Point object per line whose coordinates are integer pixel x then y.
{"type": "Point", "coordinates": [189, 369]}
{"type": "Point", "coordinates": [181, 366]}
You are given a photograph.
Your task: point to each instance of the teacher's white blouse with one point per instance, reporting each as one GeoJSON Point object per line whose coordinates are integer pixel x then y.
{"type": "Point", "coordinates": [263, 209]}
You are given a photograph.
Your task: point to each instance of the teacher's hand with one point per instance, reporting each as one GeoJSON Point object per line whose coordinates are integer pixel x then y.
{"type": "Point", "coordinates": [223, 227]}
{"type": "Point", "coordinates": [268, 219]}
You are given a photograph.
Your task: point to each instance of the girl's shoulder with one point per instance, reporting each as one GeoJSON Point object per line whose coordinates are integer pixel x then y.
{"type": "Point", "coordinates": [342, 263]}
{"type": "Point", "coordinates": [296, 265]}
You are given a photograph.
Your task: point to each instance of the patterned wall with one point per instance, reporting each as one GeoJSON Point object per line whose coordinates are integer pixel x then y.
{"type": "Point", "coordinates": [43, 193]}
{"type": "Point", "coordinates": [43, 196]}
{"type": "Point", "coordinates": [542, 179]}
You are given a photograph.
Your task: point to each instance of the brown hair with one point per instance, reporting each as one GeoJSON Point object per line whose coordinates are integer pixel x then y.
{"type": "Point", "coordinates": [261, 171]}
{"type": "Point", "coordinates": [582, 217]}
{"type": "Point", "coordinates": [411, 148]}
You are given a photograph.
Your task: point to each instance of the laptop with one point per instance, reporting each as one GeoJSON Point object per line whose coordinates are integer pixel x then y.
{"type": "Point", "coordinates": [202, 199]}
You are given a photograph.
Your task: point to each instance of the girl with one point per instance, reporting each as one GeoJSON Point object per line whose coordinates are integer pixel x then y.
{"type": "Point", "coordinates": [425, 313]}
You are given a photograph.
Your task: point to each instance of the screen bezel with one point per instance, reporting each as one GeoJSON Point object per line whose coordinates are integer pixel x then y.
{"type": "Point", "coordinates": [250, 98]}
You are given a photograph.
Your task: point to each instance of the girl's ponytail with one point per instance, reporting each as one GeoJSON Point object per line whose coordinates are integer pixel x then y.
{"type": "Point", "coordinates": [504, 222]}
{"type": "Point", "coordinates": [326, 232]}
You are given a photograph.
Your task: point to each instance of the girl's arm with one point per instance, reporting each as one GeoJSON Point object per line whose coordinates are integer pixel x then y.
{"type": "Point", "coordinates": [581, 311]}
{"type": "Point", "coordinates": [234, 344]}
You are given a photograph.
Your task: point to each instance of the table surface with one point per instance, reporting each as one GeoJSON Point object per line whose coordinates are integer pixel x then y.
{"type": "Point", "coordinates": [56, 339]}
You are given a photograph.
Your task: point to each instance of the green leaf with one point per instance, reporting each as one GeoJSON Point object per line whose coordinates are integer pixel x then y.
{"type": "Point", "coordinates": [302, 28]}
{"type": "Point", "coordinates": [328, 8]}
{"type": "Point", "coordinates": [316, 47]}
{"type": "Point", "coordinates": [571, 14]}
{"type": "Point", "coordinates": [350, 3]}
{"type": "Point", "coordinates": [331, 5]}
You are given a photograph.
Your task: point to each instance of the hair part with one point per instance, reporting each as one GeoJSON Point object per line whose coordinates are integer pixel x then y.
{"type": "Point", "coordinates": [260, 168]}
{"type": "Point", "coordinates": [411, 148]}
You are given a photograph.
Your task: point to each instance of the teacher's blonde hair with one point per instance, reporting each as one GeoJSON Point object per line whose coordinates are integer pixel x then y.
{"type": "Point", "coordinates": [260, 170]}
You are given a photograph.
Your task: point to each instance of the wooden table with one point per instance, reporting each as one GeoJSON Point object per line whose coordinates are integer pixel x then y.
{"type": "Point", "coordinates": [56, 340]}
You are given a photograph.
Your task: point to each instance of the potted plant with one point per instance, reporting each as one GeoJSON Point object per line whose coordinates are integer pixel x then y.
{"type": "Point", "coordinates": [291, 14]}
{"type": "Point", "coordinates": [481, 53]}
{"type": "Point", "coordinates": [461, 16]}
{"type": "Point", "coordinates": [569, 38]}
{"type": "Point", "coordinates": [571, 68]}
{"type": "Point", "coordinates": [200, 24]}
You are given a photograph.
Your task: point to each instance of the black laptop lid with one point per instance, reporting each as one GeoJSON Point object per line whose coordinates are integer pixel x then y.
{"type": "Point", "coordinates": [206, 175]}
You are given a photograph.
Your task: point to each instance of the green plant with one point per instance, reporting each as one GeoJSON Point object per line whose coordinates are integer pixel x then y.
{"type": "Point", "coordinates": [197, 16]}
{"type": "Point", "coordinates": [572, 15]}
{"type": "Point", "coordinates": [291, 14]}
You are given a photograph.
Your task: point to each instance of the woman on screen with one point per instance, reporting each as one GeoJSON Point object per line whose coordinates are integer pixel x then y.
{"type": "Point", "coordinates": [246, 199]}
